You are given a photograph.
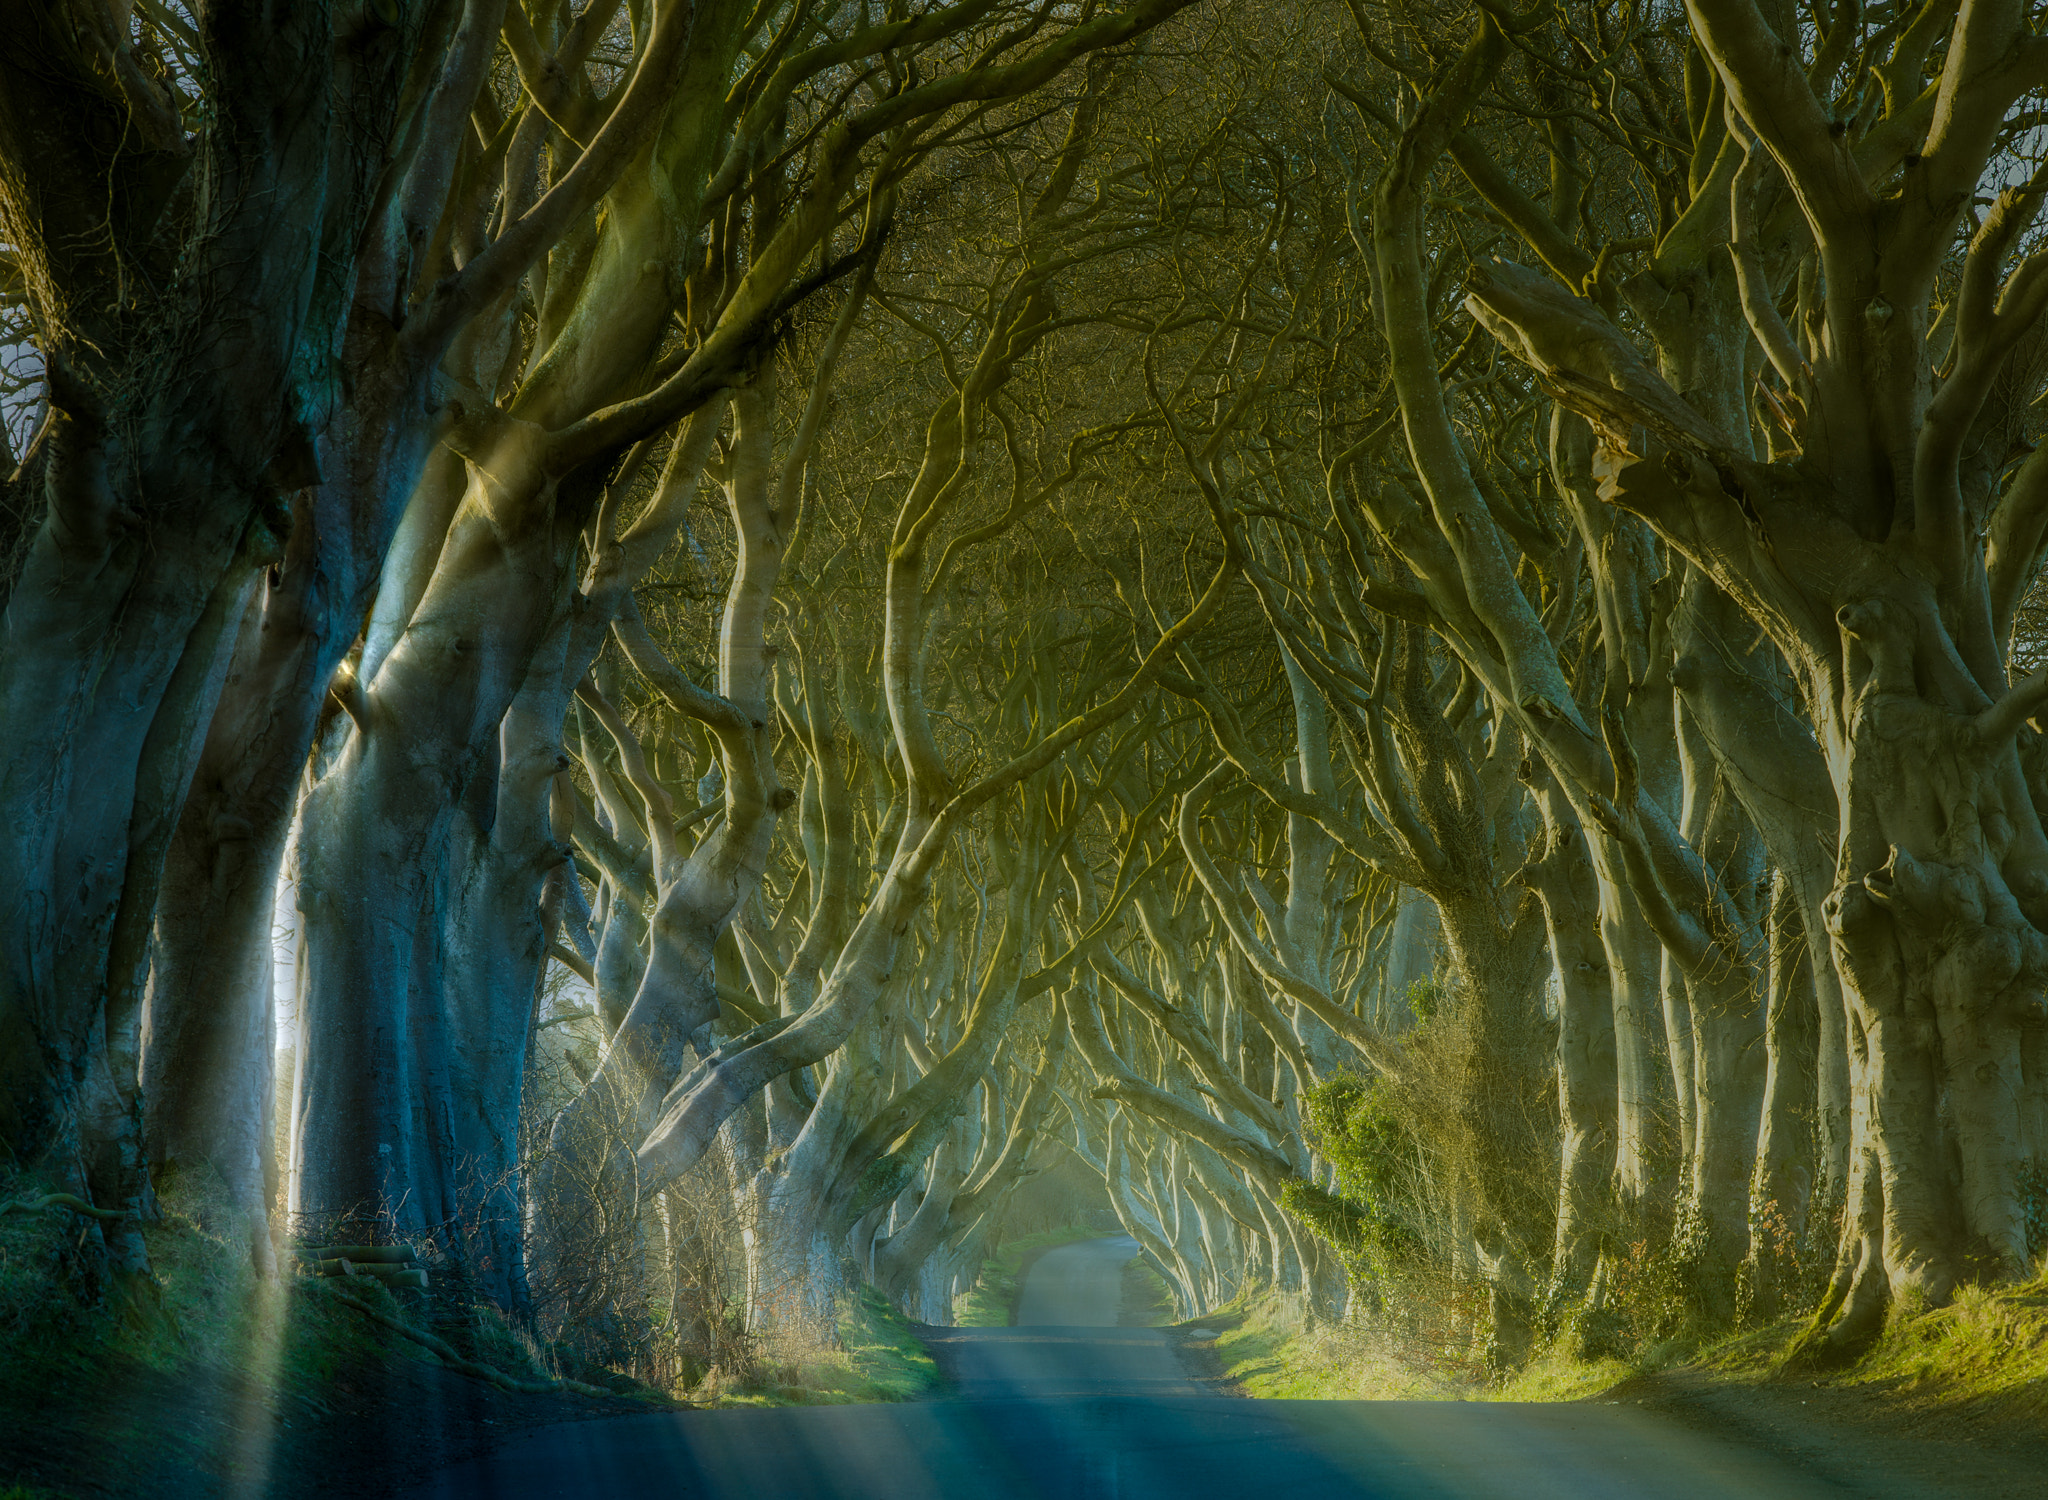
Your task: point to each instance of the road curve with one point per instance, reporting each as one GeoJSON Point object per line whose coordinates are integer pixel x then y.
{"type": "Point", "coordinates": [1083, 1410]}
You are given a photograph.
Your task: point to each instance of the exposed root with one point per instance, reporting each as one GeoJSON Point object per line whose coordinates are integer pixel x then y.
{"type": "Point", "coordinates": [64, 1200]}
{"type": "Point", "coordinates": [1832, 1339]}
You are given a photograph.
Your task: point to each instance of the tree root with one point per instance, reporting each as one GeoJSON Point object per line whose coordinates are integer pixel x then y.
{"type": "Point", "coordinates": [446, 1353]}
{"type": "Point", "coordinates": [64, 1200]}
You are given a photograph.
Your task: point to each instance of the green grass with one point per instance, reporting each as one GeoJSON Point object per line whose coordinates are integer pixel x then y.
{"type": "Point", "coordinates": [879, 1358]}
{"type": "Point", "coordinates": [992, 1301]}
{"type": "Point", "coordinates": [1272, 1351]}
{"type": "Point", "coordinates": [201, 1311]}
{"type": "Point", "coordinates": [128, 1373]}
{"type": "Point", "coordinates": [1555, 1376]}
{"type": "Point", "coordinates": [1984, 1355]}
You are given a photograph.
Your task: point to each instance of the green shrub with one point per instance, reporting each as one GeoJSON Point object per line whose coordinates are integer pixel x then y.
{"type": "Point", "coordinates": [1372, 1221]}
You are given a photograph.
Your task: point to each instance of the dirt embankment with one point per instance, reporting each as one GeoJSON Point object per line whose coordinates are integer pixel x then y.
{"type": "Point", "coordinates": [200, 1379]}
{"type": "Point", "coordinates": [1867, 1441]}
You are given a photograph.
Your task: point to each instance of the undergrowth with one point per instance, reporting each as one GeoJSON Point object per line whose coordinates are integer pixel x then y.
{"type": "Point", "coordinates": [200, 1312]}
{"type": "Point", "coordinates": [169, 1381]}
{"type": "Point", "coordinates": [1271, 1349]}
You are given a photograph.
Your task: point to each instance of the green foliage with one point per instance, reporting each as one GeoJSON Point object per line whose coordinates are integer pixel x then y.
{"type": "Point", "coordinates": [1338, 1221]}
{"type": "Point", "coordinates": [1356, 1124]}
{"type": "Point", "coordinates": [1424, 996]}
{"type": "Point", "coordinates": [1359, 1128]}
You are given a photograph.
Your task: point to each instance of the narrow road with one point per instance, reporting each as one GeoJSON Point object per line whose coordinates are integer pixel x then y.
{"type": "Point", "coordinates": [1077, 1286]}
{"type": "Point", "coordinates": [1067, 1406]}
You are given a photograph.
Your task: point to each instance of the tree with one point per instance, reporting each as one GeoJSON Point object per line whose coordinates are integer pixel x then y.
{"type": "Point", "coordinates": [1824, 425]}
{"type": "Point", "coordinates": [162, 170]}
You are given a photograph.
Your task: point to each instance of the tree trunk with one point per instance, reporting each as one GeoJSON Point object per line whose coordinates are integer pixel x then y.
{"type": "Point", "coordinates": [1586, 1087]}
{"type": "Point", "coordinates": [1635, 966]}
{"type": "Point", "coordinates": [112, 664]}
{"type": "Point", "coordinates": [374, 875]}
{"type": "Point", "coordinates": [1785, 1156]}
{"type": "Point", "coordinates": [208, 1030]}
{"type": "Point", "coordinates": [175, 435]}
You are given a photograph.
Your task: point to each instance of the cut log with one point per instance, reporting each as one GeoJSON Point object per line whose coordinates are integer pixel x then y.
{"type": "Point", "coordinates": [390, 1255]}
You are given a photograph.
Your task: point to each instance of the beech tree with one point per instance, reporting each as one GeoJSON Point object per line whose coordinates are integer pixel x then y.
{"type": "Point", "coordinates": [205, 220]}
{"type": "Point", "coordinates": [1645, 819]}
{"type": "Point", "coordinates": [1811, 391]}
{"type": "Point", "coordinates": [823, 1146]}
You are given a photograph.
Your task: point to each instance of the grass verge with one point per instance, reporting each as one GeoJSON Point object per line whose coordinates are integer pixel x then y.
{"type": "Point", "coordinates": [1267, 1348]}
{"type": "Point", "coordinates": [1979, 1363]}
{"type": "Point", "coordinates": [878, 1358]}
{"type": "Point", "coordinates": [1982, 1358]}
{"type": "Point", "coordinates": [1147, 1300]}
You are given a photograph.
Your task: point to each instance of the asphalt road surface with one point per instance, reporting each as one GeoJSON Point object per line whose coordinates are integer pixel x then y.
{"type": "Point", "coordinates": [1068, 1405]}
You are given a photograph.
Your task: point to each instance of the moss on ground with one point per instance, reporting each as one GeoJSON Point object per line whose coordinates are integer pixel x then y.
{"type": "Point", "coordinates": [878, 1358]}
{"type": "Point", "coordinates": [992, 1301]}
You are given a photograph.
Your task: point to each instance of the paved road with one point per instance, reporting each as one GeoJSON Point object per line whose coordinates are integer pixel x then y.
{"type": "Point", "coordinates": [1082, 1410]}
{"type": "Point", "coordinates": [1077, 1286]}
